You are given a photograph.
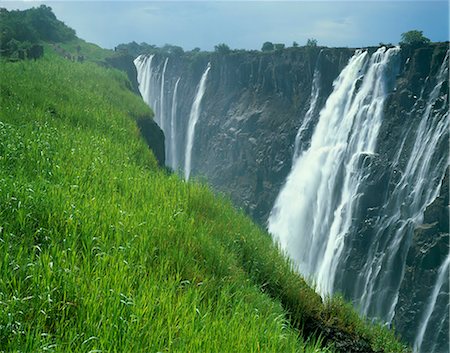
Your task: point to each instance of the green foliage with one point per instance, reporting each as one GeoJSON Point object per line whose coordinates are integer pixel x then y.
{"type": "Point", "coordinates": [267, 46]}
{"type": "Point", "coordinates": [30, 27]}
{"type": "Point", "coordinates": [279, 46]}
{"type": "Point", "coordinates": [311, 42]}
{"type": "Point", "coordinates": [222, 49]}
{"type": "Point", "coordinates": [295, 44]}
{"type": "Point", "coordinates": [414, 37]}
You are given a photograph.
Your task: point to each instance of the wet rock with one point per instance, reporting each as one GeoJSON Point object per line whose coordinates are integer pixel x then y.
{"type": "Point", "coordinates": [154, 137]}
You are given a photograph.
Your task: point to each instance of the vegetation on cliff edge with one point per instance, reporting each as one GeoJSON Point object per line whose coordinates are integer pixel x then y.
{"type": "Point", "coordinates": [101, 250]}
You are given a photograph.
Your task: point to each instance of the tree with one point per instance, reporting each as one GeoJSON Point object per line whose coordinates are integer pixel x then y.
{"type": "Point", "coordinates": [295, 44]}
{"type": "Point", "coordinates": [267, 46]}
{"type": "Point", "coordinates": [414, 37]}
{"type": "Point", "coordinates": [279, 46]}
{"type": "Point", "coordinates": [311, 42]}
{"type": "Point", "coordinates": [222, 48]}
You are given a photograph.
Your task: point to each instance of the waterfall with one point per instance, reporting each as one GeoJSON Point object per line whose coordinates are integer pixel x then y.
{"type": "Point", "coordinates": [442, 278]}
{"type": "Point", "coordinates": [307, 119]}
{"type": "Point", "coordinates": [313, 218]}
{"type": "Point", "coordinates": [352, 202]}
{"type": "Point", "coordinates": [148, 85]}
{"type": "Point", "coordinates": [145, 77]}
{"type": "Point", "coordinates": [418, 187]}
{"type": "Point", "coordinates": [193, 118]}
{"type": "Point", "coordinates": [161, 116]}
{"type": "Point", "coordinates": [173, 131]}
{"type": "Point", "coordinates": [153, 93]}
{"type": "Point", "coordinates": [313, 212]}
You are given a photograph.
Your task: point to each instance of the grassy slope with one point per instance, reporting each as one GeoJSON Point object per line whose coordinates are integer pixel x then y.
{"type": "Point", "coordinates": [101, 250]}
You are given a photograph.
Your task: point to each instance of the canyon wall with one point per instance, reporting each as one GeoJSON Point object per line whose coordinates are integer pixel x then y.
{"type": "Point", "coordinates": [250, 118]}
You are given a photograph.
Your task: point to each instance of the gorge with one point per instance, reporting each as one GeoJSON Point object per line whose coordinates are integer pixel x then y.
{"type": "Point", "coordinates": [341, 153]}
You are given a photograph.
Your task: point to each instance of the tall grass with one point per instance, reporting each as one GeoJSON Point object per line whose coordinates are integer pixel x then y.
{"type": "Point", "coordinates": [101, 251]}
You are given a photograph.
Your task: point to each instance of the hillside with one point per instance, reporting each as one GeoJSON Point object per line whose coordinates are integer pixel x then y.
{"type": "Point", "coordinates": [101, 250]}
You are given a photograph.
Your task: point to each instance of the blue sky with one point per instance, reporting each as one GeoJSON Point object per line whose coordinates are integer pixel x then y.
{"type": "Point", "coordinates": [247, 24]}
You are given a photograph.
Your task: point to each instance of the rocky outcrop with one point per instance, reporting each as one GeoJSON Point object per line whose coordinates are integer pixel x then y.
{"type": "Point", "coordinates": [124, 62]}
{"type": "Point", "coordinates": [154, 137]}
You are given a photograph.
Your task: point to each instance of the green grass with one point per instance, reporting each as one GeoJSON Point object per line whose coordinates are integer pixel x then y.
{"type": "Point", "coordinates": [102, 251]}
{"type": "Point", "coordinates": [90, 51]}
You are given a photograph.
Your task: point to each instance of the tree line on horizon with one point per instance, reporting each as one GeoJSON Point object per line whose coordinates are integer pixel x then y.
{"type": "Point", "coordinates": [22, 33]}
{"type": "Point", "coordinates": [411, 38]}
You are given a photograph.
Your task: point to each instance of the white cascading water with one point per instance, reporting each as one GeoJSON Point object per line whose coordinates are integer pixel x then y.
{"type": "Point", "coordinates": [424, 174]}
{"type": "Point", "coordinates": [418, 187]}
{"type": "Point", "coordinates": [145, 77]}
{"type": "Point", "coordinates": [193, 118]}
{"type": "Point", "coordinates": [313, 211]}
{"type": "Point", "coordinates": [307, 119]}
{"type": "Point", "coordinates": [442, 277]}
{"type": "Point", "coordinates": [161, 120]}
{"type": "Point", "coordinates": [152, 85]}
{"type": "Point", "coordinates": [173, 129]}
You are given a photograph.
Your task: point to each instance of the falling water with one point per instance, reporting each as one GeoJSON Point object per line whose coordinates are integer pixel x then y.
{"type": "Point", "coordinates": [307, 119]}
{"type": "Point", "coordinates": [161, 116]}
{"type": "Point", "coordinates": [442, 277]}
{"type": "Point", "coordinates": [148, 86]}
{"type": "Point", "coordinates": [313, 212]}
{"type": "Point", "coordinates": [145, 76]}
{"type": "Point", "coordinates": [173, 130]}
{"type": "Point", "coordinates": [193, 117]}
{"type": "Point", "coordinates": [152, 85]}
{"type": "Point", "coordinates": [418, 187]}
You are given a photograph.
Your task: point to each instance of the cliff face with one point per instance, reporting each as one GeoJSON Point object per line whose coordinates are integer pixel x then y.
{"type": "Point", "coordinates": [249, 117]}
{"type": "Point", "coordinates": [407, 146]}
{"type": "Point", "coordinates": [250, 114]}
{"type": "Point", "coordinates": [124, 62]}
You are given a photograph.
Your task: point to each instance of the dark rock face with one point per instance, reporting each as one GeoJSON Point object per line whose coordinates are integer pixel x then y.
{"type": "Point", "coordinates": [124, 63]}
{"type": "Point", "coordinates": [422, 248]}
{"type": "Point", "coordinates": [154, 137]}
{"type": "Point", "coordinates": [251, 111]}
{"type": "Point", "coordinates": [428, 250]}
